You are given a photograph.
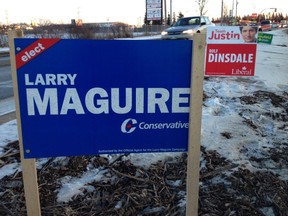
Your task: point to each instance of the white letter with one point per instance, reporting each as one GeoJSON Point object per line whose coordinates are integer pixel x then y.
{"type": "Point", "coordinates": [177, 100]}
{"type": "Point", "coordinates": [139, 100]}
{"type": "Point", "coordinates": [103, 105]}
{"type": "Point", "coordinates": [72, 78]}
{"type": "Point", "coordinates": [239, 58]}
{"type": "Point", "coordinates": [41, 46]}
{"type": "Point", "coordinates": [27, 82]}
{"type": "Point", "coordinates": [71, 95]}
{"type": "Point", "coordinates": [250, 58]}
{"type": "Point", "coordinates": [61, 78]}
{"type": "Point", "coordinates": [163, 96]}
{"type": "Point", "coordinates": [39, 79]}
{"type": "Point", "coordinates": [233, 57]}
{"type": "Point", "coordinates": [50, 95]}
{"type": "Point", "coordinates": [211, 57]}
{"type": "Point", "coordinates": [115, 101]}
{"type": "Point", "coordinates": [220, 57]}
{"type": "Point", "coordinates": [50, 78]}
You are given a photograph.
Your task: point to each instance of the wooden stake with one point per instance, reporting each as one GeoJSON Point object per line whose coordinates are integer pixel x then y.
{"type": "Point", "coordinates": [195, 117]}
{"type": "Point", "coordinates": [29, 171]}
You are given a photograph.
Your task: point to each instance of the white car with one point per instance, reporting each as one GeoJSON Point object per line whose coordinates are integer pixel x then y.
{"type": "Point", "coordinates": [186, 27]}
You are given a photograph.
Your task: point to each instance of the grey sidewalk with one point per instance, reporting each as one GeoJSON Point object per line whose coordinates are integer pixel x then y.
{"type": "Point", "coordinates": [5, 58]}
{"type": "Point", "coordinates": [7, 105]}
{"type": "Point", "coordinates": [7, 110]}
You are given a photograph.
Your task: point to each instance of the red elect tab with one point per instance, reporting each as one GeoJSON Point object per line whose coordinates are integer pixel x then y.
{"type": "Point", "coordinates": [34, 50]}
{"type": "Point", "coordinates": [230, 59]}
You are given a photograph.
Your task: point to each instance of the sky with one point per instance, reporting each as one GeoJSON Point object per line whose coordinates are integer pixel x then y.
{"type": "Point", "coordinates": [221, 112]}
{"type": "Point", "coordinates": [129, 11]}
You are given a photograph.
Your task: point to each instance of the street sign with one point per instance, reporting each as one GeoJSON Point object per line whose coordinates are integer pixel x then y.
{"type": "Point", "coordinates": [154, 9]}
{"type": "Point", "coordinates": [265, 38]}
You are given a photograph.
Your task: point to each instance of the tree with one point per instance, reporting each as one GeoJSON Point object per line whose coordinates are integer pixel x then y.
{"type": "Point", "coordinates": [174, 18]}
{"type": "Point", "coordinates": [180, 15]}
{"type": "Point", "coordinates": [201, 5]}
{"type": "Point", "coordinates": [168, 20]}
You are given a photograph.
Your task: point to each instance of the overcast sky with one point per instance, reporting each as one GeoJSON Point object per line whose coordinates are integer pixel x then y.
{"type": "Point", "coordinates": [131, 11]}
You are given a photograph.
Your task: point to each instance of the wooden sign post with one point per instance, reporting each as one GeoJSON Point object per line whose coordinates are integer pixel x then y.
{"type": "Point", "coordinates": [196, 98]}
{"type": "Point", "coordinates": [29, 171]}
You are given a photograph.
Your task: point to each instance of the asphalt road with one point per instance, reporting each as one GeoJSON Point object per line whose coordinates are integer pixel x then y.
{"type": "Point", "coordinates": [7, 104]}
{"type": "Point", "coordinates": [6, 84]}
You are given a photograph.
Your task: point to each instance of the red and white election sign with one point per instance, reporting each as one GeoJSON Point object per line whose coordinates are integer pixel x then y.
{"type": "Point", "coordinates": [228, 54]}
{"type": "Point", "coordinates": [230, 59]}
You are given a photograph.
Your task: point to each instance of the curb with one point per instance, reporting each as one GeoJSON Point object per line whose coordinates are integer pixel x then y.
{"type": "Point", "coordinates": [7, 117]}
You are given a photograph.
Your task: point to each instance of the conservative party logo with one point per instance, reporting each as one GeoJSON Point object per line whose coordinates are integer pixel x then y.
{"type": "Point", "coordinates": [129, 125]}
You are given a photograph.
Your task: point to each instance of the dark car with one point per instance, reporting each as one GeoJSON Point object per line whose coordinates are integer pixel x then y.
{"type": "Point", "coordinates": [186, 27]}
{"type": "Point", "coordinates": [265, 25]}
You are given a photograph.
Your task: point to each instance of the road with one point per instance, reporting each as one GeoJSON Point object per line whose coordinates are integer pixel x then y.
{"type": "Point", "coordinates": [6, 84]}
{"type": "Point", "coordinates": [7, 104]}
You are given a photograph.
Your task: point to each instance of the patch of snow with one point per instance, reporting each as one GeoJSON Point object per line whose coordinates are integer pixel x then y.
{"type": "Point", "coordinates": [73, 186]}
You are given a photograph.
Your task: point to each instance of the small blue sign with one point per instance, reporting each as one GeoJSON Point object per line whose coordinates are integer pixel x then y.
{"type": "Point", "coordinates": [85, 97]}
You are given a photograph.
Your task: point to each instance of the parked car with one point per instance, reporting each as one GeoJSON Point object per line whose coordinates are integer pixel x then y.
{"type": "Point", "coordinates": [275, 25]}
{"type": "Point", "coordinates": [186, 27]}
{"type": "Point", "coordinates": [265, 25]}
{"type": "Point", "coordinates": [283, 24]}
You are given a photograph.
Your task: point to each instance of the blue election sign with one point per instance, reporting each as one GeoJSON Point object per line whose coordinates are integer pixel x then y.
{"type": "Point", "coordinates": [85, 97]}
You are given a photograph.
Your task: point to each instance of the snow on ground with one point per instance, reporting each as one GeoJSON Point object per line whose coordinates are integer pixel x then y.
{"type": "Point", "coordinates": [8, 133]}
{"type": "Point", "coordinates": [4, 49]}
{"type": "Point", "coordinates": [223, 115]}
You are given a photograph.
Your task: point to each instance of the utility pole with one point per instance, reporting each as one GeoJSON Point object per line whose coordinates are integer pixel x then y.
{"type": "Point", "coordinates": [170, 12]}
{"type": "Point", "coordinates": [78, 12]}
{"type": "Point", "coordinates": [236, 9]}
{"type": "Point", "coordinates": [165, 12]}
{"type": "Point", "coordinates": [7, 18]}
{"type": "Point", "coordinates": [221, 13]}
{"type": "Point", "coordinates": [232, 14]}
{"type": "Point", "coordinates": [108, 25]}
